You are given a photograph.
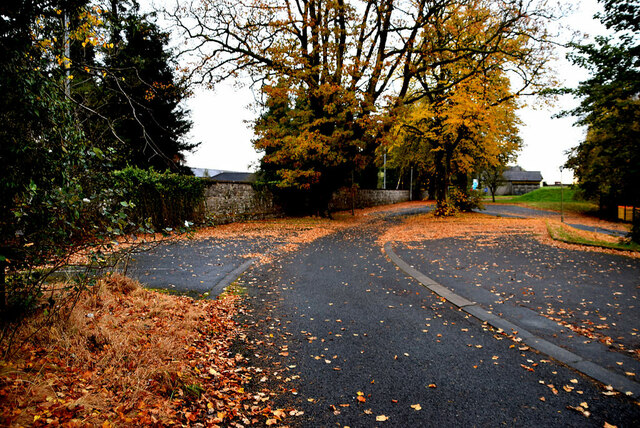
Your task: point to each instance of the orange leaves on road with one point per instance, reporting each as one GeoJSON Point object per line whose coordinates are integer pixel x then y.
{"type": "Point", "coordinates": [582, 408]}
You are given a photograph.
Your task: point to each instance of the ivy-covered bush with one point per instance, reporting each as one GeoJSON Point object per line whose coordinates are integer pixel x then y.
{"type": "Point", "coordinates": [164, 198]}
{"type": "Point", "coordinates": [465, 201]}
{"type": "Point", "coordinates": [458, 201]}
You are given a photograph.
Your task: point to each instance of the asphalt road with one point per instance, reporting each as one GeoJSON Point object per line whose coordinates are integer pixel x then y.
{"type": "Point", "coordinates": [503, 210]}
{"type": "Point", "coordinates": [528, 283]}
{"type": "Point", "coordinates": [337, 318]}
{"type": "Point", "coordinates": [195, 266]}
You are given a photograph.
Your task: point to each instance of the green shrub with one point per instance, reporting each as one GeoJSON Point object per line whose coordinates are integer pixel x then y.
{"type": "Point", "coordinates": [164, 198]}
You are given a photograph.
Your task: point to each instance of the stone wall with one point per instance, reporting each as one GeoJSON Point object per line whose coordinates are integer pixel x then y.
{"type": "Point", "coordinates": [227, 202]}
{"type": "Point", "coordinates": [342, 199]}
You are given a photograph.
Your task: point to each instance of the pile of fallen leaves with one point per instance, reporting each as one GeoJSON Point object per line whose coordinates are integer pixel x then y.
{"type": "Point", "coordinates": [129, 356]}
{"type": "Point", "coordinates": [474, 225]}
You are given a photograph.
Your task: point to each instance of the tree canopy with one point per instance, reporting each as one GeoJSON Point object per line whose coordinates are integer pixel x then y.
{"type": "Point", "coordinates": [128, 90]}
{"type": "Point", "coordinates": [343, 65]}
{"type": "Point", "coordinates": [607, 162]}
{"type": "Point", "coordinates": [63, 66]}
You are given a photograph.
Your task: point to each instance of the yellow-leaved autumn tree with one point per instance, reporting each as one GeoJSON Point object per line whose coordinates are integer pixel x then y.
{"type": "Point", "coordinates": [329, 70]}
{"type": "Point", "coordinates": [463, 116]}
{"type": "Point", "coordinates": [460, 131]}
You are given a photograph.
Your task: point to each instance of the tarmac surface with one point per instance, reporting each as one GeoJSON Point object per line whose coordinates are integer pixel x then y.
{"type": "Point", "coordinates": [339, 320]}
{"type": "Point", "coordinates": [527, 283]}
{"type": "Point", "coordinates": [196, 267]}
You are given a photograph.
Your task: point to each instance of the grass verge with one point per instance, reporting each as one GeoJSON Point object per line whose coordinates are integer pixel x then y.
{"type": "Point", "coordinates": [549, 198]}
{"type": "Point", "coordinates": [564, 233]}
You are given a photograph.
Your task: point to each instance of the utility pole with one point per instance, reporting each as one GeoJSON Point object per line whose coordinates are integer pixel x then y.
{"type": "Point", "coordinates": [411, 185]}
{"type": "Point", "coordinates": [67, 55]}
{"type": "Point", "coordinates": [561, 198]}
{"type": "Point", "coordinates": [384, 170]}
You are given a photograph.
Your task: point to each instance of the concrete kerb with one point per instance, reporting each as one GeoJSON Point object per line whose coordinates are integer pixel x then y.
{"type": "Point", "coordinates": [229, 278]}
{"type": "Point", "coordinates": [586, 367]}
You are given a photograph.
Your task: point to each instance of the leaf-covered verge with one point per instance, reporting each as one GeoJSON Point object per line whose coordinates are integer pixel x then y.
{"type": "Point", "coordinates": [472, 225]}
{"type": "Point", "coordinates": [488, 231]}
{"type": "Point", "coordinates": [571, 235]}
{"type": "Point", "coordinates": [129, 356]}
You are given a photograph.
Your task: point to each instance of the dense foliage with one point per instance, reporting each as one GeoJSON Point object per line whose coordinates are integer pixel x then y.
{"type": "Point", "coordinates": [163, 199]}
{"type": "Point", "coordinates": [133, 92]}
{"type": "Point", "coordinates": [468, 122]}
{"type": "Point", "coordinates": [331, 71]}
{"type": "Point", "coordinates": [57, 193]}
{"type": "Point", "coordinates": [607, 162]}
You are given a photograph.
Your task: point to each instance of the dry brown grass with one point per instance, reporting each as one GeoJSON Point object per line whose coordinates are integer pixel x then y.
{"type": "Point", "coordinates": [118, 358]}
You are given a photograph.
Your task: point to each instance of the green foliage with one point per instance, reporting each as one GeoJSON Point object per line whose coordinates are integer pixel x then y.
{"type": "Point", "coordinates": [130, 86]}
{"type": "Point", "coordinates": [548, 198]}
{"type": "Point", "coordinates": [565, 233]}
{"type": "Point", "coordinates": [57, 195]}
{"type": "Point", "coordinates": [607, 162]}
{"type": "Point", "coordinates": [164, 199]}
{"type": "Point", "coordinates": [56, 200]}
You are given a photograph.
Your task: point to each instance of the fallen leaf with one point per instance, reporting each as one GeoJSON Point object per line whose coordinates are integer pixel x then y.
{"type": "Point", "coordinates": [416, 407]}
{"type": "Point", "coordinates": [381, 418]}
{"type": "Point", "coordinates": [580, 409]}
{"type": "Point", "coordinates": [432, 385]}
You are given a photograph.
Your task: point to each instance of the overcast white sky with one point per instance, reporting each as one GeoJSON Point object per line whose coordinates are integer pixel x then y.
{"type": "Point", "coordinates": [220, 119]}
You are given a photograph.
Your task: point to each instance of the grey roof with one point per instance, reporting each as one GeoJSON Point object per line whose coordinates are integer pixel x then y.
{"type": "Point", "coordinates": [514, 175]}
{"type": "Point", "coordinates": [239, 177]}
{"type": "Point", "coordinates": [205, 172]}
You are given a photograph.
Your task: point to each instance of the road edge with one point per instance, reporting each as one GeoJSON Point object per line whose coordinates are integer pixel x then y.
{"type": "Point", "coordinates": [576, 362]}
{"type": "Point", "coordinates": [229, 278]}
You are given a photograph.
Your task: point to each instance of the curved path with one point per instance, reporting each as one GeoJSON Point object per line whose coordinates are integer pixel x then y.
{"type": "Point", "coordinates": [196, 267]}
{"type": "Point", "coordinates": [516, 211]}
{"type": "Point", "coordinates": [338, 320]}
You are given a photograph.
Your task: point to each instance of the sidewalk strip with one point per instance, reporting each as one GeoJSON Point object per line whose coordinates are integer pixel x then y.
{"type": "Point", "coordinates": [586, 367]}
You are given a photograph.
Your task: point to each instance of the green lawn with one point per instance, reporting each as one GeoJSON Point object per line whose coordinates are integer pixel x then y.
{"type": "Point", "coordinates": [548, 198]}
